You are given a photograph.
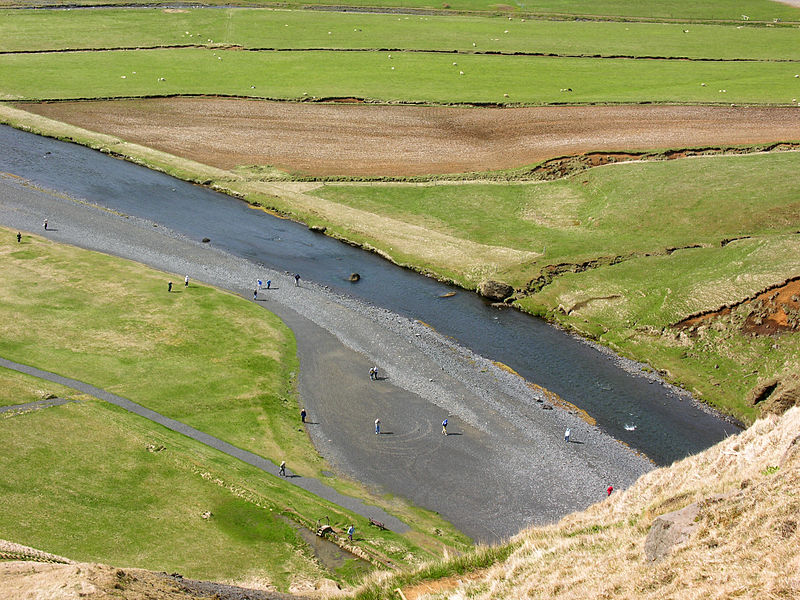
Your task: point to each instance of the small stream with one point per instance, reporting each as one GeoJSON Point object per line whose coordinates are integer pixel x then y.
{"type": "Point", "coordinates": [646, 415]}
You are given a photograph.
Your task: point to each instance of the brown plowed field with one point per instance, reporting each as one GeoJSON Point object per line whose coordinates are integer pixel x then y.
{"type": "Point", "coordinates": [362, 139]}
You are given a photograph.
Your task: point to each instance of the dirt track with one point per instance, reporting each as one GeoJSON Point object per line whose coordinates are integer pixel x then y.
{"type": "Point", "coordinates": [358, 139]}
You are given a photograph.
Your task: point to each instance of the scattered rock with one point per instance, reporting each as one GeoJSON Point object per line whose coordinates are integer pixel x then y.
{"type": "Point", "coordinates": [318, 228]}
{"type": "Point", "coordinates": [206, 240]}
{"type": "Point", "coordinates": [354, 277]}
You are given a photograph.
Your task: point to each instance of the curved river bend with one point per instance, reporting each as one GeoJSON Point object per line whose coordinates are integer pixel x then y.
{"type": "Point", "coordinates": [667, 425]}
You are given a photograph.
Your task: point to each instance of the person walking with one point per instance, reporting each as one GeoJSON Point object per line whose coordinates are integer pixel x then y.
{"type": "Point", "coordinates": [269, 283]}
{"type": "Point", "coordinates": [258, 281]}
{"type": "Point", "coordinates": [255, 294]}
{"type": "Point", "coordinates": [444, 427]}
{"type": "Point", "coordinates": [567, 433]}
{"type": "Point", "coordinates": [169, 286]}
{"type": "Point", "coordinates": [375, 373]}
{"type": "Point", "coordinates": [186, 281]}
{"type": "Point", "coordinates": [303, 415]}
{"type": "Point", "coordinates": [45, 224]}
{"type": "Point", "coordinates": [377, 426]}
{"type": "Point", "coordinates": [350, 531]}
{"type": "Point", "coordinates": [282, 469]}
{"type": "Point", "coordinates": [19, 237]}
{"type": "Point", "coordinates": [297, 279]}
{"type": "Point", "coordinates": [609, 490]}
{"type": "Point", "coordinates": [372, 372]}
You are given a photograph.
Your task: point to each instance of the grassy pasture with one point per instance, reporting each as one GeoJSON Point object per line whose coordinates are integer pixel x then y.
{"type": "Point", "coordinates": [192, 355]}
{"type": "Point", "coordinates": [207, 358]}
{"type": "Point", "coordinates": [410, 77]}
{"type": "Point", "coordinates": [91, 490]}
{"type": "Point", "coordinates": [94, 483]}
{"type": "Point", "coordinates": [631, 210]}
{"type": "Point", "coordinates": [729, 10]}
{"type": "Point", "coordinates": [604, 212]}
{"type": "Point", "coordinates": [249, 28]}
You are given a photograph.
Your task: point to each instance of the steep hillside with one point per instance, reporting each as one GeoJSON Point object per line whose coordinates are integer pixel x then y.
{"type": "Point", "coordinates": [720, 524]}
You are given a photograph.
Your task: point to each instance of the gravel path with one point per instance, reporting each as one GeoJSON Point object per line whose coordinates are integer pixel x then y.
{"type": "Point", "coordinates": [507, 466]}
{"type": "Point", "coordinates": [312, 485]}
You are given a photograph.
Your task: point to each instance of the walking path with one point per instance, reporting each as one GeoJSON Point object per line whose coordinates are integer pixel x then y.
{"type": "Point", "coordinates": [311, 485]}
{"type": "Point", "coordinates": [508, 469]}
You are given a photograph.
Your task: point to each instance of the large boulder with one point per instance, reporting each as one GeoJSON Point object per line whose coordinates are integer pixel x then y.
{"type": "Point", "coordinates": [669, 530]}
{"type": "Point", "coordinates": [495, 290]}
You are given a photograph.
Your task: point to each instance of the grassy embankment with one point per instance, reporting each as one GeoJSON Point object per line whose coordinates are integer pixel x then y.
{"type": "Point", "coordinates": [713, 10]}
{"type": "Point", "coordinates": [79, 480]}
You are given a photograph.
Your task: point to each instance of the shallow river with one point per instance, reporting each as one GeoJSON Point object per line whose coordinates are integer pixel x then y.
{"type": "Point", "coordinates": [667, 425]}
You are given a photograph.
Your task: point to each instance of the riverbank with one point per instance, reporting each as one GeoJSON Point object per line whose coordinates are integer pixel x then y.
{"type": "Point", "coordinates": [434, 253]}
{"type": "Point", "coordinates": [510, 466]}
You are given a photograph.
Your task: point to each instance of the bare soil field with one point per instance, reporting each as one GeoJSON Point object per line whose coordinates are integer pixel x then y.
{"type": "Point", "coordinates": [386, 140]}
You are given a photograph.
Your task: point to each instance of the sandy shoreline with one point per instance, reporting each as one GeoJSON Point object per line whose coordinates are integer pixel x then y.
{"type": "Point", "coordinates": [507, 467]}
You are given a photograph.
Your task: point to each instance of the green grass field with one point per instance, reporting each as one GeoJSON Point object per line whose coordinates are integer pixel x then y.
{"type": "Point", "coordinates": [205, 357]}
{"type": "Point", "coordinates": [409, 77]}
{"type": "Point", "coordinates": [730, 10]}
{"type": "Point", "coordinates": [628, 211]}
{"type": "Point", "coordinates": [248, 28]}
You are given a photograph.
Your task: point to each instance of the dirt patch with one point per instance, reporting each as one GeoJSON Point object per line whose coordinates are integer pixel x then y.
{"type": "Point", "coordinates": [771, 312]}
{"type": "Point", "coordinates": [346, 138]}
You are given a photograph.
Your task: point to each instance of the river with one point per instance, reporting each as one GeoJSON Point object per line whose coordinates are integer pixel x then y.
{"type": "Point", "coordinates": [650, 417]}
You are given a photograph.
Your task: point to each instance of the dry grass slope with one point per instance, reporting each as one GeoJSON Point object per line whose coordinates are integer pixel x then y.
{"type": "Point", "coordinates": [744, 543]}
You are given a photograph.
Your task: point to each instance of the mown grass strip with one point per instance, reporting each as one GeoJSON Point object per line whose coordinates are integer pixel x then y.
{"type": "Point", "coordinates": [296, 30]}
{"type": "Point", "coordinates": [406, 77]}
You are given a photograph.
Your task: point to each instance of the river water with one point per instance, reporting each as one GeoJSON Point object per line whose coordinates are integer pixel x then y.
{"type": "Point", "coordinates": [668, 426]}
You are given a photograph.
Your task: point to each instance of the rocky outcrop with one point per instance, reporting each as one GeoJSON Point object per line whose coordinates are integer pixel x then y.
{"type": "Point", "coordinates": [669, 530]}
{"type": "Point", "coordinates": [495, 290]}
{"type": "Point", "coordinates": [777, 394]}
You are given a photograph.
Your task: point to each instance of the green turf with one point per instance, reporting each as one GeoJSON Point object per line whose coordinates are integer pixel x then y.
{"type": "Point", "coordinates": [412, 77]}
{"type": "Point", "coordinates": [606, 212]}
{"type": "Point", "coordinates": [192, 355]}
{"type": "Point", "coordinates": [94, 483]}
{"type": "Point", "coordinates": [763, 10]}
{"type": "Point", "coordinates": [56, 30]}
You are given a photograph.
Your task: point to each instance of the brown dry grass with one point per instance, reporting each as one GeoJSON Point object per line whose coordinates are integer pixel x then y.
{"type": "Point", "coordinates": [746, 544]}
{"type": "Point", "coordinates": [361, 140]}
